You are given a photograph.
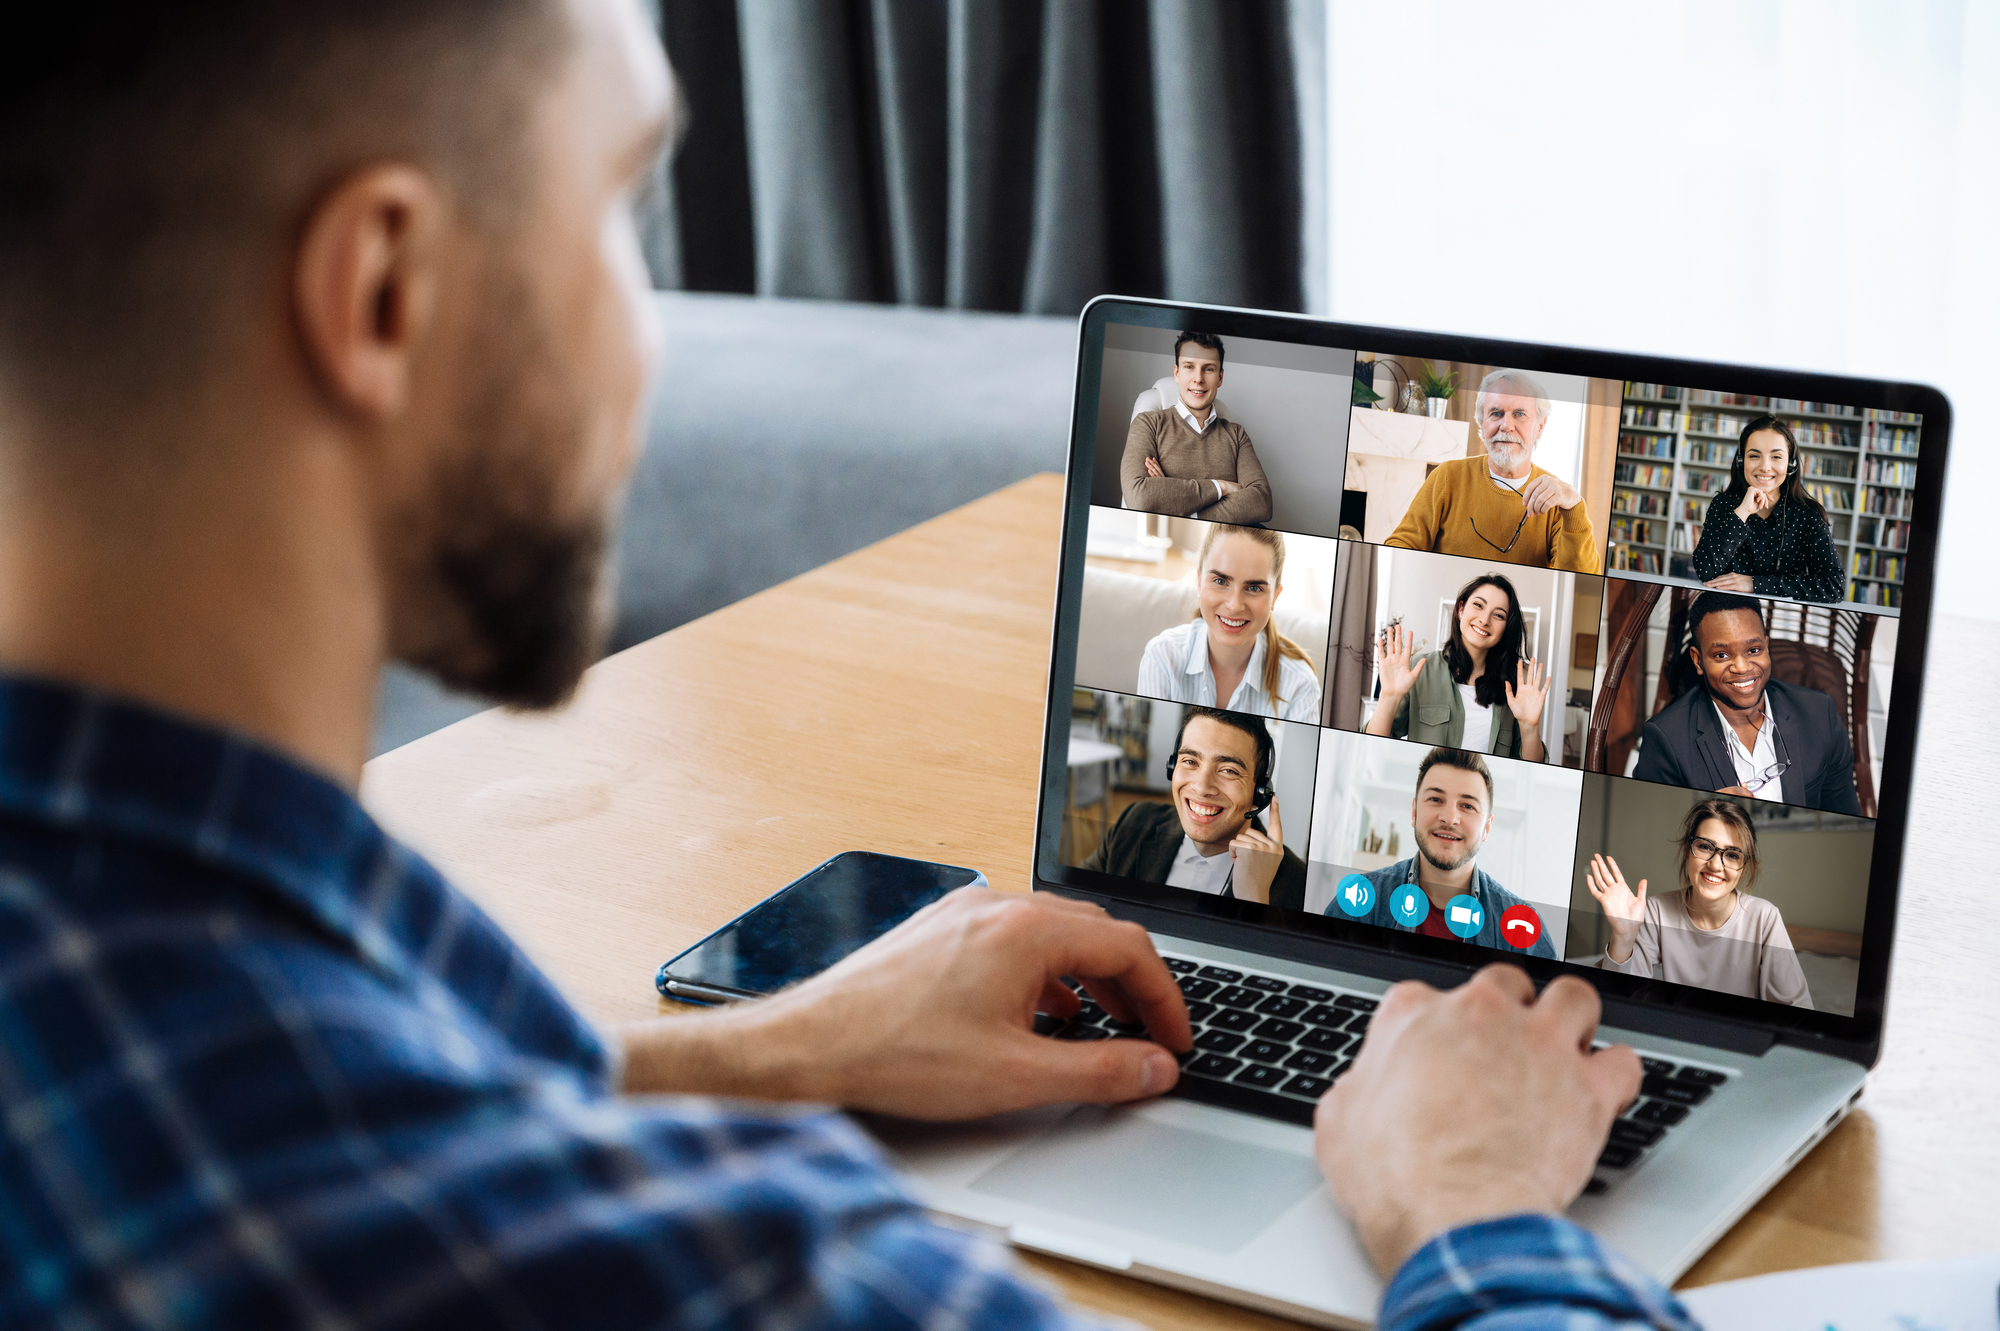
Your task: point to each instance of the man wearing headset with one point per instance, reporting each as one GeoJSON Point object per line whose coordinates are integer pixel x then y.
{"type": "Point", "coordinates": [1210, 839]}
{"type": "Point", "coordinates": [1742, 732]}
{"type": "Point", "coordinates": [1451, 815]}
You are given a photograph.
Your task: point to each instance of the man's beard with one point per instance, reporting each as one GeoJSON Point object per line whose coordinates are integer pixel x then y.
{"type": "Point", "coordinates": [529, 597]}
{"type": "Point", "coordinates": [1506, 454]}
{"type": "Point", "coordinates": [519, 589]}
{"type": "Point", "coordinates": [1470, 848]}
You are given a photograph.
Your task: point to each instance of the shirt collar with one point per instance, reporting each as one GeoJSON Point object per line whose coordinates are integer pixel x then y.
{"type": "Point", "coordinates": [84, 761]}
{"type": "Point", "coordinates": [1197, 659]}
{"type": "Point", "coordinates": [1190, 853]}
{"type": "Point", "coordinates": [1199, 427]}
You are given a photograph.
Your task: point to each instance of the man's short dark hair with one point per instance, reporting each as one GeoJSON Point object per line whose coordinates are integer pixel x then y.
{"type": "Point", "coordinates": [157, 156]}
{"type": "Point", "coordinates": [1206, 340]}
{"type": "Point", "coordinates": [1464, 760]}
{"type": "Point", "coordinates": [1252, 726]}
{"type": "Point", "coordinates": [1716, 603]}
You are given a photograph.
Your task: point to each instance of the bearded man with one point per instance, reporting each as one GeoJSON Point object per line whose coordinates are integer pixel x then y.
{"type": "Point", "coordinates": [1451, 816]}
{"type": "Point", "coordinates": [1503, 506]}
{"type": "Point", "coordinates": [324, 330]}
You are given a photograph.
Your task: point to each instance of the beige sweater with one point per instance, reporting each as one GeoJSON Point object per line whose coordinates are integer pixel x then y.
{"type": "Point", "coordinates": [1221, 452]}
{"type": "Point", "coordinates": [1751, 954]}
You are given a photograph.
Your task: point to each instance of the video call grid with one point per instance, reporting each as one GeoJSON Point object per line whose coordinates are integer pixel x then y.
{"type": "Point", "coordinates": [1604, 585]}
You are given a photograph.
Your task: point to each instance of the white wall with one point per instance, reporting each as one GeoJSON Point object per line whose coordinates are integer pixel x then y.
{"type": "Point", "coordinates": [1808, 183]}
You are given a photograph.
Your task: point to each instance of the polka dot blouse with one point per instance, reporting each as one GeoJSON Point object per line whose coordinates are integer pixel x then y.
{"type": "Point", "coordinates": [1789, 554]}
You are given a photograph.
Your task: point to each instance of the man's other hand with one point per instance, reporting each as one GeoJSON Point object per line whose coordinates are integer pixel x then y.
{"type": "Point", "coordinates": [1153, 468]}
{"type": "Point", "coordinates": [1547, 492]}
{"type": "Point", "coordinates": [934, 1020]}
{"type": "Point", "coordinates": [1255, 858]}
{"type": "Point", "coordinates": [1469, 1105]}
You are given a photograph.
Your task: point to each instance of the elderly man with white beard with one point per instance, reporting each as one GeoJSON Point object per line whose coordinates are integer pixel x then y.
{"type": "Point", "coordinates": [1503, 506]}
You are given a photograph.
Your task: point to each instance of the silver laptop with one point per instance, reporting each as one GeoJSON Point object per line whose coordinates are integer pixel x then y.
{"type": "Point", "coordinates": [1711, 588]}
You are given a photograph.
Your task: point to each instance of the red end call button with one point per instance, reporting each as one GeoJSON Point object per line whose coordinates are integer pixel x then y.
{"type": "Point", "coordinates": [1521, 927]}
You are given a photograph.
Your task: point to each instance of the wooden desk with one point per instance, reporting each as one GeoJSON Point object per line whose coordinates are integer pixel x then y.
{"type": "Point", "coordinates": [893, 700]}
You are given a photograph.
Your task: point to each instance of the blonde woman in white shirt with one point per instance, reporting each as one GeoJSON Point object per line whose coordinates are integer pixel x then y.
{"type": "Point", "coordinates": [1231, 655]}
{"type": "Point", "coordinates": [1712, 934]}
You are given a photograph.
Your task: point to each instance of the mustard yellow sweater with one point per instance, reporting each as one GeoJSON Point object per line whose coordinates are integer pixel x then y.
{"type": "Point", "coordinates": [1460, 493]}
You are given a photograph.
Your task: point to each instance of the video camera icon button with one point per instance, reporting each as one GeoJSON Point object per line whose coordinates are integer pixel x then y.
{"type": "Point", "coordinates": [1463, 915]}
{"type": "Point", "coordinates": [1521, 927]}
{"type": "Point", "coordinates": [1356, 895]}
{"type": "Point", "coordinates": [1409, 905]}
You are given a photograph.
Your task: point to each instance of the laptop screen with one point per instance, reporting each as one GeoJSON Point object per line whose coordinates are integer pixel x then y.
{"type": "Point", "coordinates": [1597, 670]}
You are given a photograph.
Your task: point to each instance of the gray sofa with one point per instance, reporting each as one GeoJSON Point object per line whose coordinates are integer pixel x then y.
{"type": "Point", "coordinates": [782, 434]}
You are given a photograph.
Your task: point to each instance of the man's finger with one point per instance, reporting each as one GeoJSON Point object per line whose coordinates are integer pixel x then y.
{"type": "Point", "coordinates": [1277, 828]}
{"type": "Point", "coordinates": [1058, 1000]}
{"type": "Point", "coordinates": [1097, 1071]}
{"type": "Point", "coordinates": [1613, 1076]}
{"type": "Point", "coordinates": [1403, 997]}
{"type": "Point", "coordinates": [1573, 1006]}
{"type": "Point", "coordinates": [1108, 949]}
{"type": "Point", "coordinates": [1509, 980]}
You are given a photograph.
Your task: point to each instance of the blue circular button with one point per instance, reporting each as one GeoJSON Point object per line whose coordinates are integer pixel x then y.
{"type": "Point", "coordinates": [1409, 905]}
{"type": "Point", "coordinates": [1463, 915]}
{"type": "Point", "coordinates": [1356, 895]}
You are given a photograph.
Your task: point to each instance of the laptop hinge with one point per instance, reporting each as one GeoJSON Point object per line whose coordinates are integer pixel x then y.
{"type": "Point", "coordinates": [1736, 1037]}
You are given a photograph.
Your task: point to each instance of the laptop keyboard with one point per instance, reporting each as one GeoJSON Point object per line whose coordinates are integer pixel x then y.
{"type": "Point", "coordinates": [1273, 1046]}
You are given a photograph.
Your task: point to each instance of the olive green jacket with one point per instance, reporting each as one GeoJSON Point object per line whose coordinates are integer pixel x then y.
{"type": "Point", "coordinates": [1433, 712]}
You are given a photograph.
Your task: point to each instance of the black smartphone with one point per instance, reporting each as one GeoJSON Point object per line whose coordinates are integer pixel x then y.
{"type": "Point", "coordinates": [809, 924]}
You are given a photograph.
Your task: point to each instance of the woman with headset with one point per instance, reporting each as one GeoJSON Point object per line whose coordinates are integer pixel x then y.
{"type": "Point", "coordinates": [1764, 534]}
{"type": "Point", "coordinates": [1476, 692]}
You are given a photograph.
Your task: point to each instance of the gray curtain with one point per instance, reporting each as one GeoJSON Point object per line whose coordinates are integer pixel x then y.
{"type": "Point", "coordinates": [1352, 659]}
{"type": "Point", "coordinates": [997, 154]}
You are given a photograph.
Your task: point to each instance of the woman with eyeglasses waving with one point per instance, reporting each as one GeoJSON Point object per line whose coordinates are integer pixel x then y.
{"type": "Point", "coordinates": [1712, 933]}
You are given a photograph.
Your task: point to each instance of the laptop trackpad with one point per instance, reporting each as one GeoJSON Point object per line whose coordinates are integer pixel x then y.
{"type": "Point", "coordinates": [1121, 1168]}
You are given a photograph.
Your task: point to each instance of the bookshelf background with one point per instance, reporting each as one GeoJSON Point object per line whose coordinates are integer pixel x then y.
{"type": "Point", "coordinates": [1674, 450]}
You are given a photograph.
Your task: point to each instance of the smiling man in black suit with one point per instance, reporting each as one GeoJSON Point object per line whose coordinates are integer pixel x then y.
{"type": "Point", "coordinates": [1742, 732]}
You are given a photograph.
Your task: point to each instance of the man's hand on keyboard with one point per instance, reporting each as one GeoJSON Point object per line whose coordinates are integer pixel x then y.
{"type": "Point", "coordinates": [934, 1019]}
{"type": "Point", "coordinates": [1468, 1105]}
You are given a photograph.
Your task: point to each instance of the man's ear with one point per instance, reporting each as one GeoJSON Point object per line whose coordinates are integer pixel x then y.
{"type": "Point", "coordinates": [365, 285]}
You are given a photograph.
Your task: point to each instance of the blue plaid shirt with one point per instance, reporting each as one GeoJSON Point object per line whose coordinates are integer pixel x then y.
{"type": "Point", "coordinates": [260, 1066]}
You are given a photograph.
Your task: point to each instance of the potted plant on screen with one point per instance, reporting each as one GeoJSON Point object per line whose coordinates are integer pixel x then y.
{"type": "Point", "coordinates": [1437, 390]}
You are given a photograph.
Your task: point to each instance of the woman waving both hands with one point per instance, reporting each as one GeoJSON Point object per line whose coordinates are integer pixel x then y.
{"type": "Point", "coordinates": [1477, 692]}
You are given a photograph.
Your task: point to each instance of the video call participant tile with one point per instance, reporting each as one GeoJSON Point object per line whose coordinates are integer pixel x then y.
{"type": "Point", "coordinates": [1238, 430]}
{"type": "Point", "coordinates": [1443, 842]}
{"type": "Point", "coordinates": [1466, 653]}
{"type": "Point", "coordinates": [1734, 895]}
{"type": "Point", "coordinates": [1190, 797]}
{"type": "Point", "coordinates": [1223, 616]}
{"type": "Point", "coordinates": [1757, 697]}
{"type": "Point", "coordinates": [1500, 463]}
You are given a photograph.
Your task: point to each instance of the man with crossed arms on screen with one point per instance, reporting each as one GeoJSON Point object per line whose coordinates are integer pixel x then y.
{"type": "Point", "coordinates": [1500, 505]}
{"type": "Point", "coordinates": [1185, 459]}
{"type": "Point", "coordinates": [361, 381]}
{"type": "Point", "coordinates": [1451, 815]}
